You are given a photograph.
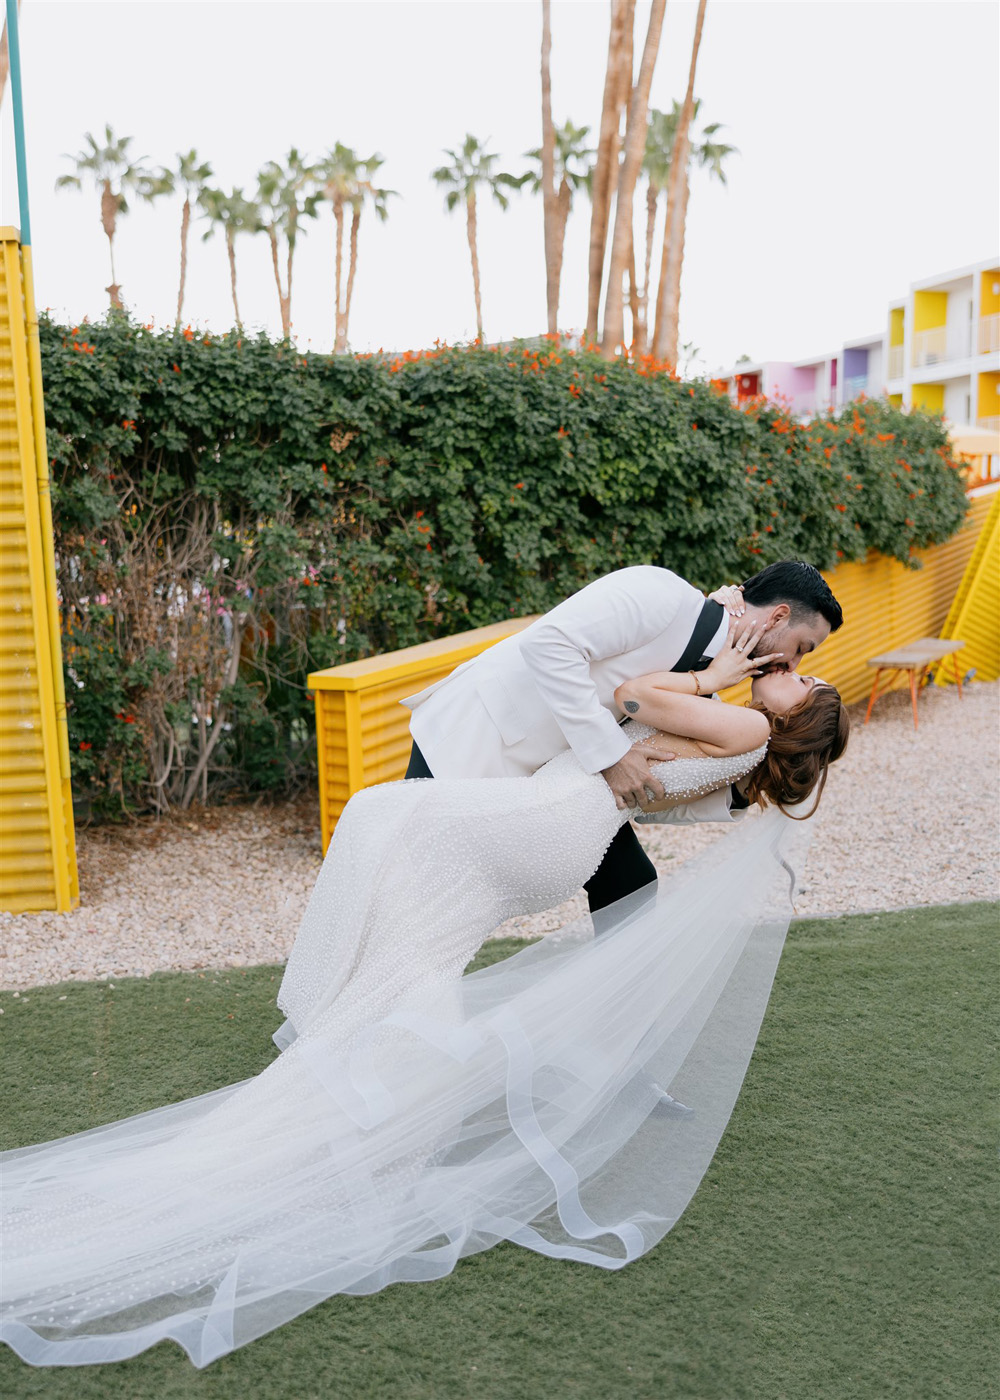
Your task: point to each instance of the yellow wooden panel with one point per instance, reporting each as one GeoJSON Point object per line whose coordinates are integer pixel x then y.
{"type": "Point", "coordinates": [37, 851]}
{"type": "Point", "coordinates": [973, 617]}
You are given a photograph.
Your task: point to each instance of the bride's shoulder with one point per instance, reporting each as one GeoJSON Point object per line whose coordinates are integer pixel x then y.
{"type": "Point", "coordinates": [734, 729]}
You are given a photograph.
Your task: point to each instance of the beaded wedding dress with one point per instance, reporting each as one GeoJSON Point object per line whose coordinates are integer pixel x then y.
{"type": "Point", "coordinates": [416, 1116]}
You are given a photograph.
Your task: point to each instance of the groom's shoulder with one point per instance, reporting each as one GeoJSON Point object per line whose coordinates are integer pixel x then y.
{"type": "Point", "coordinates": [643, 577]}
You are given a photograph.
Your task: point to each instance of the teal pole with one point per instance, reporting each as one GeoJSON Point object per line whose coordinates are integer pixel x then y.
{"type": "Point", "coordinates": [14, 53]}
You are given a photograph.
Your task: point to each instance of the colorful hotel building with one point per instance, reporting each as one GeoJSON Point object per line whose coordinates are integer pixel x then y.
{"type": "Point", "coordinates": [939, 351]}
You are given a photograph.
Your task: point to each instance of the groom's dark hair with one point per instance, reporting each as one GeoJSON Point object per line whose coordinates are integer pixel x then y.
{"type": "Point", "coordinates": [798, 584]}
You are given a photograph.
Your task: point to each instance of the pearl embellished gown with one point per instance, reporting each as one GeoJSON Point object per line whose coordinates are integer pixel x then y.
{"type": "Point", "coordinates": [418, 875]}
{"type": "Point", "coordinates": [416, 1116]}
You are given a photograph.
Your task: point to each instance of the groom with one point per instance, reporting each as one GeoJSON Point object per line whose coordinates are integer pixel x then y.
{"type": "Point", "coordinates": [551, 687]}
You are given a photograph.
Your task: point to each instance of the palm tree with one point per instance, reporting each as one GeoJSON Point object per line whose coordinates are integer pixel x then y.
{"type": "Point", "coordinates": [192, 178]}
{"type": "Point", "coordinates": [656, 168]}
{"type": "Point", "coordinates": [346, 181]}
{"type": "Point", "coordinates": [709, 154]}
{"type": "Point", "coordinates": [471, 168]}
{"type": "Point", "coordinates": [704, 151]}
{"type": "Point", "coordinates": [617, 86]}
{"type": "Point", "coordinates": [547, 181]}
{"type": "Point", "coordinates": [668, 292]}
{"type": "Point", "coordinates": [366, 190]}
{"type": "Point", "coordinates": [286, 195]}
{"type": "Point", "coordinates": [114, 174]}
{"type": "Point", "coordinates": [628, 174]}
{"type": "Point", "coordinates": [234, 214]}
{"type": "Point", "coordinates": [337, 175]}
{"type": "Point", "coordinates": [572, 171]}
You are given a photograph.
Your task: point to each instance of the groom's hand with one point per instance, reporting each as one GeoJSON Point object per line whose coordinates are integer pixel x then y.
{"type": "Point", "coordinates": [630, 779]}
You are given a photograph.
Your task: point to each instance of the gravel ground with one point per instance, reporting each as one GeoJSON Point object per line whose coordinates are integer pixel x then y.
{"type": "Point", "coordinates": [907, 819]}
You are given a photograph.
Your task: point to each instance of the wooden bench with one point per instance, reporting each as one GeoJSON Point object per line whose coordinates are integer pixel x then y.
{"type": "Point", "coordinates": [914, 660]}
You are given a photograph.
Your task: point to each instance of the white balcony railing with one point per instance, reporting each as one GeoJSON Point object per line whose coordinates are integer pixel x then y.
{"type": "Point", "coordinates": [991, 424]}
{"type": "Point", "coordinates": [938, 345]}
{"type": "Point", "coordinates": [930, 347]}
{"type": "Point", "coordinates": [989, 334]}
{"type": "Point", "coordinates": [895, 362]}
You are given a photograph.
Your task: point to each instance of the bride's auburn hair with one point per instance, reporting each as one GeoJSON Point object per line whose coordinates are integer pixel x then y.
{"type": "Point", "coordinates": [803, 744]}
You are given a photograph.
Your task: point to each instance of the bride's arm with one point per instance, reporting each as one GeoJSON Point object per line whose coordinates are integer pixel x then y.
{"type": "Point", "coordinates": [669, 700]}
{"type": "Point", "coordinates": [720, 730]}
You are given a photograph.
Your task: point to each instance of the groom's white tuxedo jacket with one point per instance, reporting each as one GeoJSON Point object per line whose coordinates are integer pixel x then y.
{"type": "Point", "coordinates": [551, 687]}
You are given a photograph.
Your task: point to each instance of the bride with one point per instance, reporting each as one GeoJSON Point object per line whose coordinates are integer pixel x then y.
{"type": "Point", "coordinates": [416, 1116]}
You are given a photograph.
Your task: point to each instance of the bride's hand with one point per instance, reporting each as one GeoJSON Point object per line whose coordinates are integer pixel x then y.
{"type": "Point", "coordinates": [734, 660]}
{"type": "Point", "coordinates": [730, 595]}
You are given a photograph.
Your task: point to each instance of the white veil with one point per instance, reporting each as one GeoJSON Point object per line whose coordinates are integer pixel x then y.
{"type": "Point", "coordinates": [519, 1107]}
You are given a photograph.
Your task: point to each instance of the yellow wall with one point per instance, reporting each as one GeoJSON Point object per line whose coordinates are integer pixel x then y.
{"type": "Point", "coordinates": [896, 400]}
{"type": "Point", "coordinates": [989, 300]}
{"type": "Point", "coordinates": [929, 397]}
{"type": "Point", "coordinates": [896, 326]}
{"type": "Point", "coordinates": [930, 310]}
{"type": "Point", "coordinates": [988, 404]}
{"type": "Point", "coordinates": [972, 617]}
{"type": "Point", "coordinates": [37, 841]}
{"type": "Point", "coordinates": [886, 606]}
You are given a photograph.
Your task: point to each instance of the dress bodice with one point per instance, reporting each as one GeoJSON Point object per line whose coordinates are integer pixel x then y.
{"type": "Point", "coordinates": [695, 777]}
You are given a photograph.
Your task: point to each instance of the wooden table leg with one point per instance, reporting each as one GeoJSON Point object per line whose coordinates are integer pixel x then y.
{"type": "Point", "coordinates": [874, 693]}
{"type": "Point", "coordinates": [958, 674]}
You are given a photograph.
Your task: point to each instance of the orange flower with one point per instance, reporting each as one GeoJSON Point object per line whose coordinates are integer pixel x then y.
{"type": "Point", "coordinates": [839, 506]}
{"type": "Point", "coordinates": [86, 746]}
{"type": "Point", "coordinates": [177, 369]}
{"type": "Point", "coordinates": [188, 333]}
{"type": "Point", "coordinates": [419, 514]}
{"type": "Point", "coordinates": [518, 485]}
{"type": "Point", "coordinates": [885, 437]}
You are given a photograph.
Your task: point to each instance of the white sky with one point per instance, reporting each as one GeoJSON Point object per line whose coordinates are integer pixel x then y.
{"type": "Point", "coordinates": [868, 135]}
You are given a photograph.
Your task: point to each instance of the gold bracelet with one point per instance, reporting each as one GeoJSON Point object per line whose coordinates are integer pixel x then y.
{"type": "Point", "coordinates": [697, 687]}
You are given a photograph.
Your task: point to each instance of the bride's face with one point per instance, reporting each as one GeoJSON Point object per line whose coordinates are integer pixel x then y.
{"type": "Point", "coordinates": [781, 691]}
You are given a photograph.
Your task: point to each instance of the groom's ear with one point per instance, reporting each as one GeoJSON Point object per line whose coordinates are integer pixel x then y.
{"type": "Point", "coordinates": [781, 612]}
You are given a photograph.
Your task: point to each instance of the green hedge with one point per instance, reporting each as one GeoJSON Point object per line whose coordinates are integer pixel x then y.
{"type": "Point", "coordinates": [231, 513]}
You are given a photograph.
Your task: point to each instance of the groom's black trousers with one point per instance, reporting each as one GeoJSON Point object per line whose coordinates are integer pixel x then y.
{"type": "Point", "coordinates": [624, 869]}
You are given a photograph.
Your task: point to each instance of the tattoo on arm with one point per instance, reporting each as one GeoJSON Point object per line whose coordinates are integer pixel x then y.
{"type": "Point", "coordinates": [632, 706]}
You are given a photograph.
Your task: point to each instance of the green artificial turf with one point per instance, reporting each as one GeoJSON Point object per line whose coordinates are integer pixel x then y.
{"type": "Point", "coordinates": [839, 1248]}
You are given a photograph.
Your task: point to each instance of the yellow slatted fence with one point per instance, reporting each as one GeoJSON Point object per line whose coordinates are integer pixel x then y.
{"type": "Point", "coordinates": [974, 616]}
{"type": "Point", "coordinates": [886, 605]}
{"type": "Point", "coordinates": [37, 841]}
